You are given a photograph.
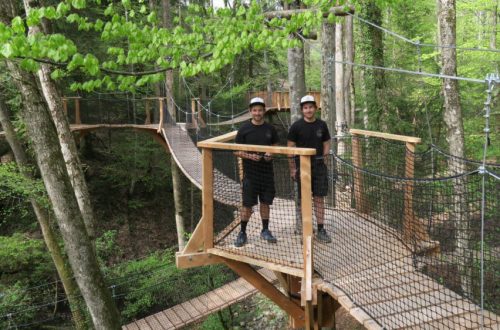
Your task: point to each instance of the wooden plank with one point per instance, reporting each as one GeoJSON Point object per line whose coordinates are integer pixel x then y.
{"type": "Point", "coordinates": [208, 198]}
{"type": "Point", "coordinates": [261, 284]}
{"type": "Point", "coordinates": [159, 321]}
{"type": "Point", "coordinates": [190, 260]}
{"type": "Point", "coordinates": [191, 309]}
{"type": "Point", "coordinates": [173, 317]}
{"type": "Point", "coordinates": [386, 136]}
{"type": "Point", "coordinates": [467, 320]}
{"type": "Point", "coordinates": [143, 325]}
{"type": "Point", "coordinates": [205, 299]}
{"type": "Point", "coordinates": [261, 263]}
{"type": "Point", "coordinates": [133, 326]}
{"type": "Point", "coordinates": [257, 148]}
{"type": "Point", "coordinates": [424, 315]}
{"type": "Point", "coordinates": [199, 305]}
{"type": "Point", "coordinates": [307, 231]}
{"type": "Point", "coordinates": [181, 313]}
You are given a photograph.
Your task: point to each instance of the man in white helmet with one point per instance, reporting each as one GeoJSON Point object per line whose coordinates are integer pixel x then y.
{"type": "Point", "coordinates": [258, 175]}
{"type": "Point", "coordinates": [310, 132]}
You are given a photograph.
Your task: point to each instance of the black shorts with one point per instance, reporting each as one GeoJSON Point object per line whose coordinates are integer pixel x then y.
{"type": "Point", "coordinates": [319, 179]}
{"type": "Point", "coordinates": [261, 190]}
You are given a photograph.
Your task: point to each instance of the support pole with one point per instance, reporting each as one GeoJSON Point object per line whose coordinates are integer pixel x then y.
{"type": "Point", "coordinates": [78, 120]}
{"type": "Point", "coordinates": [148, 114]}
{"type": "Point", "coordinates": [160, 124]}
{"type": "Point", "coordinates": [208, 198]}
{"type": "Point", "coordinates": [412, 231]}
{"type": "Point", "coordinates": [357, 160]}
{"type": "Point", "coordinates": [261, 284]}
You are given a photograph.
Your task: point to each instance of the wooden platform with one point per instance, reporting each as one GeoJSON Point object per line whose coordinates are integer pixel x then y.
{"type": "Point", "coordinates": [200, 307]}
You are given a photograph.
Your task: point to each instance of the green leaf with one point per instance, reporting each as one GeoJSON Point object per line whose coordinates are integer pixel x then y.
{"type": "Point", "coordinates": [6, 50]}
{"type": "Point", "coordinates": [78, 4]}
{"type": "Point", "coordinates": [18, 25]}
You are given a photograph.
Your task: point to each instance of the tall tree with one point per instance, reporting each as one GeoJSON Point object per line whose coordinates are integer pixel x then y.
{"type": "Point", "coordinates": [328, 74]}
{"type": "Point", "coordinates": [68, 146]}
{"type": "Point", "coordinates": [50, 161]}
{"type": "Point", "coordinates": [454, 135]}
{"type": "Point", "coordinates": [296, 75]}
{"type": "Point", "coordinates": [349, 96]}
{"type": "Point", "coordinates": [42, 215]}
{"type": "Point", "coordinates": [177, 177]}
{"type": "Point", "coordinates": [339, 84]}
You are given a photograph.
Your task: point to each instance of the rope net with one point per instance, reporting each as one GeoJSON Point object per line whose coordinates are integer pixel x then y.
{"type": "Point", "coordinates": [407, 242]}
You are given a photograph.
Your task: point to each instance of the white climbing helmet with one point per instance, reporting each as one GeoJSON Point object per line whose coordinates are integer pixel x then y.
{"type": "Point", "coordinates": [307, 99]}
{"type": "Point", "coordinates": [257, 101]}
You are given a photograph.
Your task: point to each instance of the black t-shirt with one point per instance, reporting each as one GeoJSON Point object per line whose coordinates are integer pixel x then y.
{"type": "Point", "coordinates": [264, 134]}
{"type": "Point", "coordinates": [309, 135]}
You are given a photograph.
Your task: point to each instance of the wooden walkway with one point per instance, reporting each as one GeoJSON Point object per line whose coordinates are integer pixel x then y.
{"type": "Point", "coordinates": [200, 307]}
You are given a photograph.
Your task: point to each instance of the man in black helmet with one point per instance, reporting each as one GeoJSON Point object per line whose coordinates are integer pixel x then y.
{"type": "Point", "coordinates": [258, 175]}
{"type": "Point", "coordinates": [310, 132]}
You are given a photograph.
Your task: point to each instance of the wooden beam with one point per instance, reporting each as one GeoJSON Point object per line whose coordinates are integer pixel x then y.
{"type": "Point", "coordinates": [357, 160]}
{"type": "Point", "coordinates": [65, 106]}
{"type": "Point", "coordinates": [78, 119]}
{"type": "Point", "coordinates": [257, 262]}
{"type": "Point", "coordinates": [287, 14]}
{"type": "Point", "coordinates": [402, 138]}
{"type": "Point", "coordinates": [160, 124]}
{"type": "Point", "coordinates": [223, 138]}
{"type": "Point", "coordinates": [196, 241]}
{"type": "Point", "coordinates": [266, 288]}
{"type": "Point", "coordinates": [257, 148]}
{"type": "Point", "coordinates": [148, 113]}
{"type": "Point", "coordinates": [190, 260]}
{"type": "Point", "coordinates": [208, 197]}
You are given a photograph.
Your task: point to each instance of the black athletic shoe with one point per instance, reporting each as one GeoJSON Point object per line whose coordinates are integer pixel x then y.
{"type": "Point", "coordinates": [323, 237]}
{"type": "Point", "coordinates": [266, 235]}
{"type": "Point", "coordinates": [241, 239]}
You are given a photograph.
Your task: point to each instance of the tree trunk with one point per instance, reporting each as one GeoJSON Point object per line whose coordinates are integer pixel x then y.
{"type": "Point", "coordinates": [339, 86]}
{"type": "Point", "coordinates": [50, 160]}
{"type": "Point", "coordinates": [328, 75]}
{"type": "Point", "coordinates": [66, 139]}
{"type": "Point", "coordinates": [455, 136]}
{"type": "Point", "coordinates": [57, 254]}
{"type": "Point", "coordinates": [349, 72]}
{"type": "Point", "coordinates": [176, 172]}
{"type": "Point", "coordinates": [296, 73]}
{"type": "Point", "coordinates": [296, 80]}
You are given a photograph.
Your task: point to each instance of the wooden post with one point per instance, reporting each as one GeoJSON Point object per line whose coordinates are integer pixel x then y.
{"type": "Point", "coordinates": [193, 110]}
{"type": "Point", "coordinates": [261, 284]}
{"type": "Point", "coordinates": [307, 231]}
{"type": "Point", "coordinates": [148, 114]}
{"type": "Point", "coordinates": [65, 106]}
{"type": "Point", "coordinates": [78, 120]}
{"type": "Point", "coordinates": [208, 197]}
{"type": "Point", "coordinates": [160, 124]}
{"type": "Point", "coordinates": [411, 230]}
{"type": "Point", "coordinates": [357, 160]}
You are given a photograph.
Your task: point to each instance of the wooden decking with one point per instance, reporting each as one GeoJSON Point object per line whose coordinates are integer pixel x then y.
{"type": "Point", "coordinates": [200, 307]}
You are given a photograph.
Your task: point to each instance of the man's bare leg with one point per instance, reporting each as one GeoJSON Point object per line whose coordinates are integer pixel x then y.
{"type": "Point", "coordinates": [264, 214]}
{"type": "Point", "coordinates": [319, 211]}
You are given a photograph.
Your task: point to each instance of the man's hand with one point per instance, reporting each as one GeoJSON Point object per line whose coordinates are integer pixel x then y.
{"type": "Point", "coordinates": [254, 157]}
{"type": "Point", "coordinates": [268, 157]}
{"type": "Point", "coordinates": [293, 174]}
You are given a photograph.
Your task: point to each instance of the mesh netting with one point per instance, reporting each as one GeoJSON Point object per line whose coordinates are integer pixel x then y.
{"type": "Point", "coordinates": [408, 244]}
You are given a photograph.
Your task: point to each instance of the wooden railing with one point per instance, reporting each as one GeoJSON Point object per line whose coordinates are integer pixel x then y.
{"type": "Point", "coordinates": [197, 251]}
{"type": "Point", "coordinates": [413, 230]}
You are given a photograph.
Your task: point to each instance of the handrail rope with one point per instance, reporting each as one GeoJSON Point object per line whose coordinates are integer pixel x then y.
{"type": "Point", "coordinates": [417, 43]}
{"type": "Point", "coordinates": [399, 70]}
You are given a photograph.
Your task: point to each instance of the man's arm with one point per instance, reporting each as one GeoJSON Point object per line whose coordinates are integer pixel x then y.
{"type": "Point", "coordinates": [326, 148]}
{"type": "Point", "coordinates": [248, 155]}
